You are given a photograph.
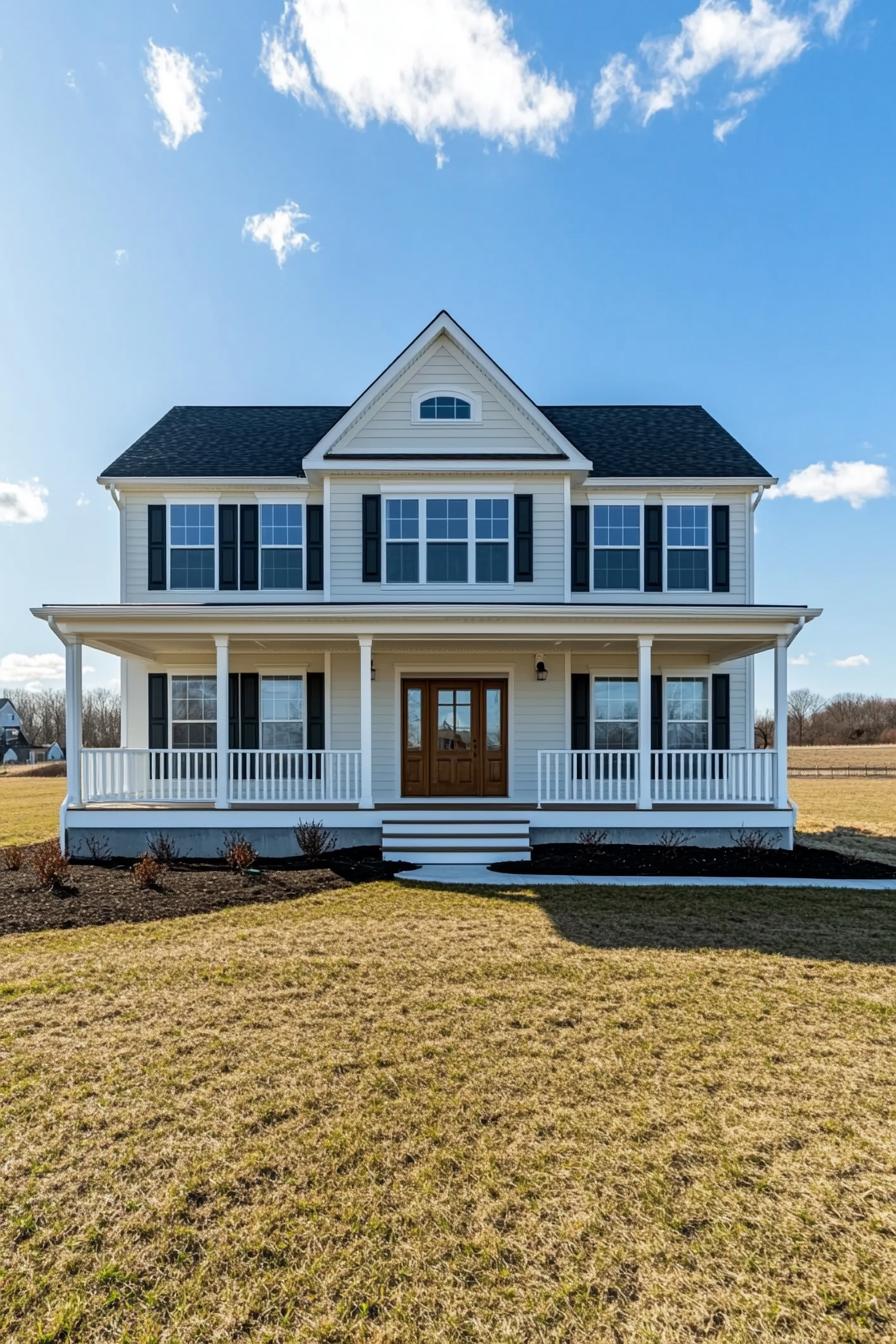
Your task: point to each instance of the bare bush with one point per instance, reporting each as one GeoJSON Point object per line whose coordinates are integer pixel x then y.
{"type": "Point", "coordinates": [592, 841]}
{"type": "Point", "coordinates": [164, 849]}
{"type": "Point", "coordinates": [239, 853]}
{"type": "Point", "coordinates": [147, 872]}
{"type": "Point", "coordinates": [11, 858]}
{"type": "Point", "coordinates": [675, 839]}
{"type": "Point", "coordinates": [314, 839]}
{"type": "Point", "coordinates": [97, 847]}
{"type": "Point", "coordinates": [753, 842]}
{"type": "Point", "coordinates": [50, 865]}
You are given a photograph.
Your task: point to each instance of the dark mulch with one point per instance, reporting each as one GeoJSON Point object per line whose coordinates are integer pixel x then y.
{"type": "Point", "coordinates": [693, 861]}
{"type": "Point", "coordinates": [100, 893]}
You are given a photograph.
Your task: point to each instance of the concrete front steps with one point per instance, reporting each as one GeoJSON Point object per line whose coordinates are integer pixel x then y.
{"type": "Point", "coordinates": [477, 837]}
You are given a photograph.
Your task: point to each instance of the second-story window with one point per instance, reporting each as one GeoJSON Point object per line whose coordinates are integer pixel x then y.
{"type": "Point", "coordinates": [492, 540]}
{"type": "Point", "coordinates": [445, 408]}
{"type": "Point", "coordinates": [617, 547]}
{"type": "Point", "coordinates": [281, 546]}
{"type": "Point", "coordinates": [402, 540]}
{"type": "Point", "coordinates": [449, 540]}
{"type": "Point", "coordinates": [687, 547]}
{"type": "Point", "coordinates": [446, 541]}
{"type": "Point", "coordinates": [192, 545]}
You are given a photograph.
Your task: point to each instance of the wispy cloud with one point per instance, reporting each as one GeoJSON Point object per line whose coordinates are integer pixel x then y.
{"type": "Point", "coordinates": [800, 660]}
{"type": "Point", "coordinates": [23, 501]}
{"type": "Point", "coordinates": [70, 81]}
{"type": "Point", "coordinates": [175, 85]}
{"type": "Point", "coordinates": [855, 482]}
{"type": "Point", "coordinates": [435, 68]}
{"type": "Point", "coordinates": [120, 256]}
{"type": "Point", "coordinates": [280, 231]}
{"type": "Point", "coordinates": [747, 39]}
{"type": "Point", "coordinates": [82, 502]}
{"type": "Point", "coordinates": [18, 669]}
{"type": "Point", "coordinates": [854, 660]}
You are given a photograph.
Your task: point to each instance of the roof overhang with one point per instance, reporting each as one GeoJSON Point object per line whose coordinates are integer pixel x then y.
{"type": "Point", "coordinates": [140, 631]}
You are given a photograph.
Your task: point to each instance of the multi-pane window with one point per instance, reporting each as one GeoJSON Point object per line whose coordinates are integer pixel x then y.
{"type": "Point", "coordinates": [192, 545]}
{"type": "Point", "coordinates": [281, 545]}
{"type": "Point", "coordinates": [446, 541]}
{"type": "Point", "coordinates": [193, 711]}
{"type": "Point", "coordinates": [492, 517]}
{"type": "Point", "coordinates": [445, 408]}
{"type": "Point", "coordinates": [402, 540]}
{"type": "Point", "coordinates": [282, 713]}
{"type": "Point", "coordinates": [615, 713]}
{"type": "Point", "coordinates": [617, 547]}
{"type": "Point", "coordinates": [687, 547]}
{"type": "Point", "coordinates": [687, 713]}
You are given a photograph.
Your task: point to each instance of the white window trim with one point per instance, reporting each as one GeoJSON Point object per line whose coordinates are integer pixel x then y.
{"type": "Point", "coordinates": [447, 391]}
{"type": "Point", "coordinates": [213, 505]}
{"type": "Point", "coordinates": [603, 675]}
{"type": "Point", "coordinates": [702, 503]}
{"type": "Point", "coordinates": [593, 501]}
{"type": "Point", "coordinates": [679, 675]}
{"type": "Point", "coordinates": [188, 674]}
{"type": "Point", "coordinates": [300, 503]}
{"type": "Point", "coordinates": [471, 539]}
{"type": "Point", "coordinates": [297, 674]}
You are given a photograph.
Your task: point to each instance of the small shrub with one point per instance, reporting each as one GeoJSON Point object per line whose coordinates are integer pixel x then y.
{"type": "Point", "coordinates": [239, 853]}
{"type": "Point", "coordinates": [675, 839]}
{"type": "Point", "coordinates": [97, 847]}
{"type": "Point", "coordinates": [591, 842]}
{"type": "Point", "coordinates": [163, 848]}
{"type": "Point", "coordinates": [12, 858]}
{"type": "Point", "coordinates": [147, 872]}
{"type": "Point", "coordinates": [50, 864]}
{"type": "Point", "coordinates": [313, 839]}
{"type": "Point", "coordinates": [753, 842]}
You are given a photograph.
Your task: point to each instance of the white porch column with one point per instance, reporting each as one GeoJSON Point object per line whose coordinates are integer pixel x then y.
{"type": "Point", "coordinates": [645, 795]}
{"type": "Point", "coordinates": [73, 720]}
{"type": "Point", "coordinates": [781, 721]}
{"type": "Point", "coordinates": [222, 670]}
{"type": "Point", "coordinates": [365, 646]}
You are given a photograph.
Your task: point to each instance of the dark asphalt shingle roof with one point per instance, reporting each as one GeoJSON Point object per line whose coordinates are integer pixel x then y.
{"type": "Point", "coordinates": [273, 440]}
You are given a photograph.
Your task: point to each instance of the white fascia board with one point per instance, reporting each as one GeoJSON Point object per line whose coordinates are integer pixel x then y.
{"type": "Point", "coordinates": [172, 484]}
{"type": "Point", "coordinates": [443, 324]}
{"type": "Point", "coordinates": [747, 484]}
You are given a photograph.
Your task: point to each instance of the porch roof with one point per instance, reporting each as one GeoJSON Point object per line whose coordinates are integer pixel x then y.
{"type": "Point", "coordinates": [144, 630]}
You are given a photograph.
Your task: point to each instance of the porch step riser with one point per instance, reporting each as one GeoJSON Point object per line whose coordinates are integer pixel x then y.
{"type": "Point", "coordinates": [470, 840]}
{"type": "Point", "coordinates": [454, 856]}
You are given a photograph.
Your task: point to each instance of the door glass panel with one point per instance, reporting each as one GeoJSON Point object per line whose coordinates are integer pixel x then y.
{"type": "Point", "coordinates": [414, 718]}
{"type": "Point", "coordinates": [454, 719]}
{"type": "Point", "coordinates": [493, 716]}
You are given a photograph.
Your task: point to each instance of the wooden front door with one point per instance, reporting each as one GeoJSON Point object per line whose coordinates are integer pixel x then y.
{"type": "Point", "coordinates": [454, 738]}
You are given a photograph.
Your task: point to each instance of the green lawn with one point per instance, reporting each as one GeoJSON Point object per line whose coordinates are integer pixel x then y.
{"type": "Point", "coordinates": [398, 1115]}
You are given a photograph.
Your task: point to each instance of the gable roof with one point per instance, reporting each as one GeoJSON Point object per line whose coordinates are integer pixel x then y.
{"type": "Point", "coordinates": [673, 441]}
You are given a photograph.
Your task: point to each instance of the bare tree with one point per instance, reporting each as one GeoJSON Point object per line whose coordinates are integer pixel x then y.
{"type": "Point", "coordinates": [43, 716]}
{"type": "Point", "coordinates": [764, 735]}
{"type": "Point", "coordinates": [802, 707]}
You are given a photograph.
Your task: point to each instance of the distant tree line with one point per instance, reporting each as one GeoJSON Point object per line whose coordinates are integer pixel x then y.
{"type": "Point", "coordinates": [844, 720]}
{"type": "Point", "coordinates": [43, 716]}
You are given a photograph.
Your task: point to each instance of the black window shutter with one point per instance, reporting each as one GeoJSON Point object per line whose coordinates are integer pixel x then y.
{"type": "Point", "coordinates": [656, 713]}
{"type": "Point", "coordinates": [158, 710]}
{"type": "Point", "coordinates": [314, 547]}
{"type": "Point", "coordinates": [249, 711]}
{"type": "Point", "coordinates": [523, 558]}
{"type": "Point", "coordinates": [249, 547]}
{"type": "Point", "coordinates": [156, 557]}
{"type": "Point", "coordinates": [653, 548]}
{"type": "Point", "coordinates": [580, 707]}
{"type": "Point", "coordinates": [316, 722]}
{"type": "Point", "coordinates": [721, 548]}
{"type": "Point", "coordinates": [580, 566]}
{"type": "Point", "coordinates": [233, 710]}
{"type": "Point", "coordinates": [371, 514]}
{"type": "Point", "coordinates": [228, 576]}
{"type": "Point", "coordinates": [721, 711]}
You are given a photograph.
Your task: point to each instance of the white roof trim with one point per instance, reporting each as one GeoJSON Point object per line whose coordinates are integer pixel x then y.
{"type": "Point", "coordinates": [443, 324]}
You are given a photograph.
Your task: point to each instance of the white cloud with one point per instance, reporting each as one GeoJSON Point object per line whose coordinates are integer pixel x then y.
{"type": "Point", "coordinates": [856, 482]}
{"type": "Point", "coordinates": [175, 87]}
{"type": "Point", "coordinates": [82, 502]}
{"type": "Point", "coordinates": [749, 39]}
{"type": "Point", "coordinates": [800, 660]}
{"type": "Point", "coordinates": [23, 501]}
{"type": "Point", "coordinates": [854, 660]}
{"type": "Point", "coordinates": [280, 231]}
{"type": "Point", "coordinates": [18, 669]}
{"type": "Point", "coordinates": [120, 256]}
{"type": "Point", "coordinates": [70, 81]}
{"type": "Point", "coordinates": [434, 68]}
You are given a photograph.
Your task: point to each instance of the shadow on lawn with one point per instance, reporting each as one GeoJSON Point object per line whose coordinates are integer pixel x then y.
{"type": "Point", "coordinates": [855, 926]}
{"type": "Point", "coordinates": [853, 841]}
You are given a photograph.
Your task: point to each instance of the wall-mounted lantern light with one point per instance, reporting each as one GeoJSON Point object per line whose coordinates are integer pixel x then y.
{"type": "Point", "coordinates": [541, 671]}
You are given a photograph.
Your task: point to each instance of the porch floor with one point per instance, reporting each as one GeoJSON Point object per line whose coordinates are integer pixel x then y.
{"type": "Point", "coordinates": [429, 805]}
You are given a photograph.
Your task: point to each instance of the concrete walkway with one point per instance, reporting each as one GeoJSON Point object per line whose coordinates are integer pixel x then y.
{"type": "Point", "coordinates": [476, 875]}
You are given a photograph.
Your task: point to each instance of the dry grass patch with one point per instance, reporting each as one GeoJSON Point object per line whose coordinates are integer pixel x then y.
{"type": "Point", "coordinates": [871, 754]}
{"type": "Point", "coordinates": [394, 1114]}
{"type": "Point", "coordinates": [29, 808]}
{"type": "Point", "coordinates": [857, 816]}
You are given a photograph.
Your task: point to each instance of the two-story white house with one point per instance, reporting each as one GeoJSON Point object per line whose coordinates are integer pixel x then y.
{"type": "Point", "coordinates": [443, 617]}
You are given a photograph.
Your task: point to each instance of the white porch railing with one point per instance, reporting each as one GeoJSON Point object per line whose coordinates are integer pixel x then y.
{"type": "Point", "coordinates": [713, 776]}
{"type": "Point", "coordinates": [295, 776]}
{"type": "Point", "coordinates": [587, 776]}
{"type": "Point", "coordinates": [140, 775]}
{"type": "Point", "coordinates": [676, 776]}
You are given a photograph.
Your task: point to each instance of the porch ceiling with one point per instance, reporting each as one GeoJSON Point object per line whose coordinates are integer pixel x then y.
{"type": "Point", "coordinates": [153, 631]}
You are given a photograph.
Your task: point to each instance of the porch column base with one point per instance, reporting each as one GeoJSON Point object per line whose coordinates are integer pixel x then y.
{"type": "Point", "coordinates": [645, 792]}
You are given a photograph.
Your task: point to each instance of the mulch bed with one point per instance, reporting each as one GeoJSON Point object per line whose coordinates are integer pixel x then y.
{"type": "Point", "coordinates": [693, 861]}
{"type": "Point", "coordinates": [101, 893]}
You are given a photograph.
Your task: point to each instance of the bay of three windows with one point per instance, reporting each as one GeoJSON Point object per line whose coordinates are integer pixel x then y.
{"type": "Point", "coordinates": [194, 711]}
{"type": "Point", "coordinates": [192, 545]}
{"type": "Point", "coordinates": [447, 540]}
{"type": "Point", "coordinates": [617, 532]}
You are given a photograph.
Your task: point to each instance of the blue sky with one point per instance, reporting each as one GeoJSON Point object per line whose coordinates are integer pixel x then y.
{"type": "Point", "coordinates": [708, 218]}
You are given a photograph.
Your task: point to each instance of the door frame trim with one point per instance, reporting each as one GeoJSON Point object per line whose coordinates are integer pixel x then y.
{"type": "Point", "coordinates": [444, 672]}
